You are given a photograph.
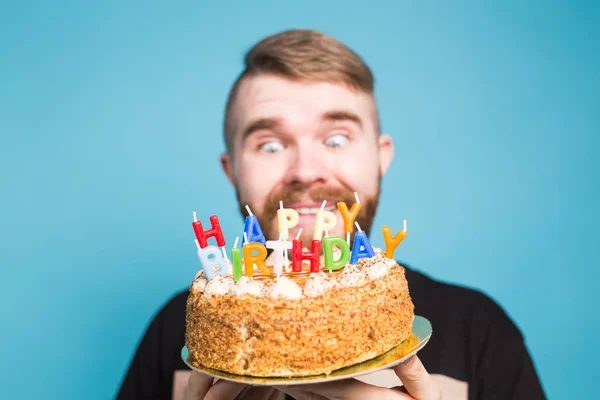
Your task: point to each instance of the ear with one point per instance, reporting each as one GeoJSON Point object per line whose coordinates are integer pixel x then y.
{"type": "Point", "coordinates": [227, 166]}
{"type": "Point", "coordinates": [386, 152]}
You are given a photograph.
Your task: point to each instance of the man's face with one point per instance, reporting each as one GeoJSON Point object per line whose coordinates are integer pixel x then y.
{"type": "Point", "coordinates": [302, 143]}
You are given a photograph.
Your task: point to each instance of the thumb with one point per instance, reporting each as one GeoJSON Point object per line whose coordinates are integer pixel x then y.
{"type": "Point", "coordinates": [417, 381]}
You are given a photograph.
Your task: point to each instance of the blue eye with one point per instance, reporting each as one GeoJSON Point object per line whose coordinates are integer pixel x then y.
{"type": "Point", "coordinates": [271, 147]}
{"type": "Point", "coordinates": [336, 141]}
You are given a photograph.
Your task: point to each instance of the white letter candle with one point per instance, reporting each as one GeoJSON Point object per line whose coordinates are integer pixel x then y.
{"type": "Point", "coordinates": [278, 247]}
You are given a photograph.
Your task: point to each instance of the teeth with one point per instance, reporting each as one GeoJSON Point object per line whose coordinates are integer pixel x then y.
{"type": "Point", "coordinates": [313, 210]}
{"type": "Point", "coordinates": [307, 210]}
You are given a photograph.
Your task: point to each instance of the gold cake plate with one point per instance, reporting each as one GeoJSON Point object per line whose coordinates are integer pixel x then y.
{"type": "Point", "coordinates": [421, 332]}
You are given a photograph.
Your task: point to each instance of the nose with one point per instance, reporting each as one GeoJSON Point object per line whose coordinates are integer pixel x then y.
{"type": "Point", "coordinates": [306, 167]}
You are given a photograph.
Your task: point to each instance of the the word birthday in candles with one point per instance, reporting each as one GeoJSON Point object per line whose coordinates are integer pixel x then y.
{"type": "Point", "coordinates": [253, 252]}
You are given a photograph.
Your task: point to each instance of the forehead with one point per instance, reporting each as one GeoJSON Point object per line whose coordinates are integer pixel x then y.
{"type": "Point", "coordinates": [298, 102]}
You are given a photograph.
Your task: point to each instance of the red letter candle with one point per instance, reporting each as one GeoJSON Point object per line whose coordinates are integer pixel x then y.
{"type": "Point", "coordinates": [203, 235]}
{"type": "Point", "coordinates": [314, 256]}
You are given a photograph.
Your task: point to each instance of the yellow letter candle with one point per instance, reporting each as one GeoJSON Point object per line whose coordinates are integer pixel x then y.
{"type": "Point", "coordinates": [349, 216]}
{"type": "Point", "coordinates": [287, 218]}
{"type": "Point", "coordinates": [259, 259]}
{"type": "Point", "coordinates": [325, 221]}
{"type": "Point", "coordinates": [392, 242]}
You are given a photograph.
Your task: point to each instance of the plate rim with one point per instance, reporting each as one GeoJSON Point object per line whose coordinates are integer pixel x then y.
{"type": "Point", "coordinates": [305, 380]}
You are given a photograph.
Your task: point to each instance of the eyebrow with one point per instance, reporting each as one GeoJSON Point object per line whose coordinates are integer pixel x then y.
{"type": "Point", "coordinates": [342, 115]}
{"type": "Point", "coordinates": [259, 124]}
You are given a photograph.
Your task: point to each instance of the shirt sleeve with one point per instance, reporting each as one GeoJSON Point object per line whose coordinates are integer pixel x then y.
{"type": "Point", "coordinates": [503, 368]}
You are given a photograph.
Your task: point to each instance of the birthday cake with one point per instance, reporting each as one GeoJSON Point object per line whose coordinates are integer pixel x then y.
{"type": "Point", "coordinates": [335, 307]}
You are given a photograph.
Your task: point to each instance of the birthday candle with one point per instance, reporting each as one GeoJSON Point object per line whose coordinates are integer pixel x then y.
{"type": "Point", "coordinates": [391, 243]}
{"type": "Point", "coordinates": [349, 216]}
{"type": "Point", "coordinates": [325, 221]}
{"type": "Point", "coordinates": [252, 230]}
{"type": "Point", "coordinates": [259, 259]}
{"type": "Point", "coordinates": [314, 256]}
{"type": "Point", "coordinates": [278, 247]}
{"type": "Point", "coordinates": [330, 263]}
{"type": "Point", "coordinates": [236, 261]}
{"type": "Point", "coordinates": [203, 235]}
{"type": "Point", "coordinates": [287, 218]}
{"type": "Point", "coordinates": [210, 257]}
{"type": "Point", "coordinates": [361, 247]}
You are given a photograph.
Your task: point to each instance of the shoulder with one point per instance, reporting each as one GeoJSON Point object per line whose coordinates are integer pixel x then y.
{"type": "Point", "coordinates": [173, 310]}
{"type": "Point", "coordinates": [458, 304]}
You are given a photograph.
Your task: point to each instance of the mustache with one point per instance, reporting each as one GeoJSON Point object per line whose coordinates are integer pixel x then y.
{"type": "Point", "coordinates": [316, 194]}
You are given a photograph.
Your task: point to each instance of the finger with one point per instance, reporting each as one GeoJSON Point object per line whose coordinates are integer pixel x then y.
{"type": "Point", "coordinates": [224, 390]}
{"type": "Point", "coordinates": [350, 389]}
{"type": "Point", "coordinates": [299, 392]}
{"type": "Point", "coordinates": [417, 381]}
{"type": "Point", "coordinates": [198, 385]}
{"type": "Point", "coordinates": [258, 393]}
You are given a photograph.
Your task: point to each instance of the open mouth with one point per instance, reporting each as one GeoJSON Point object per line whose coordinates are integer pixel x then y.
{"type": "Point", "coordinates": [312, 207]}
{"type": "Point", "coordinates": [313, 210]}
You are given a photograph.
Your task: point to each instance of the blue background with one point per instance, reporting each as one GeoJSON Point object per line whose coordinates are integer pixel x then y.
{"type": "Point", "coordinates": [110, 121]}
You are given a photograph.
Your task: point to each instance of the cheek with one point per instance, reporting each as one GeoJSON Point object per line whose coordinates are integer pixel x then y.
{"type": "Point", "coordinates": [359, 172]}
{"type": "Point", "coordinates": [256, 179]}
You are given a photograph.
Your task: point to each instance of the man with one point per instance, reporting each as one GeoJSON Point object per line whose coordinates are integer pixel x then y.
{"type": "Point", "coordinates": [301, 125]}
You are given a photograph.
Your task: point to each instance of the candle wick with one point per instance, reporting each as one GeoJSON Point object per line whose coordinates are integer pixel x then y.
{"type": "Point", "coordinates": [195, 219]}
{"type": "Point", "coordinates": [299, 233]}
{"type": "Point", "coordinates": [404, 225]}
{"type": "Point", "coordinates": [249, 212]}
{"type": "Point", "coordinates": [197, 244]}
{"type": "Point", "coordinates": [356, 197]}
{"type": "Point", "coordinates": [237, 238]}
{"type": "Point", "coordinates": [358, 226]}
{"type": "Point", "coordinates": [281, 204]}
{"type": "Point", "coordinates": [323, 205]}
{"type": "Point", "coordinates": [326, 233]}
{"type": "Point", "coordinates": [224, 253]}
{"type": "Point", "coordinates": [246, 238]}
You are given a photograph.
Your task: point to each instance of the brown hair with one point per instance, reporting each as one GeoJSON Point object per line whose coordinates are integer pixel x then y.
{"type": "Point", "coordinates": [301, 54]}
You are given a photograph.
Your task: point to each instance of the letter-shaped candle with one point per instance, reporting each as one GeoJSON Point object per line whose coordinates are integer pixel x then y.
{"type": "Point", "coordinates": [258, 259]}
{"type": "Point", "coordinates": [252, 229]}
{"type": "Point", "coordinates": [287, 219]}
{"type": "Point", "coordinates": [210, 257]}
{"type": "Point", "coordinates": [361, 248]}
{"type": "Point", "coordinates": [330, 263]}
{"type": "Point", "coordinates": [215, 231]}
{"type": "Point", "coordinates": [348, 216]}
{"type": "Point", "coordinates": [278, 247]}
{"type": "Point", "coordinates": [236, 260]}
{"type": "Point", "coordinates": [325, 221]}
{"type": "Point", "coordinates": [314, 256]}
{"type": "Point", "coordinates": [392, 242]}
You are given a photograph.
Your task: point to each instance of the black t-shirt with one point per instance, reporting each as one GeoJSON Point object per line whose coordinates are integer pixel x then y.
{"type": "Point", "coordinates": [475, 348]}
